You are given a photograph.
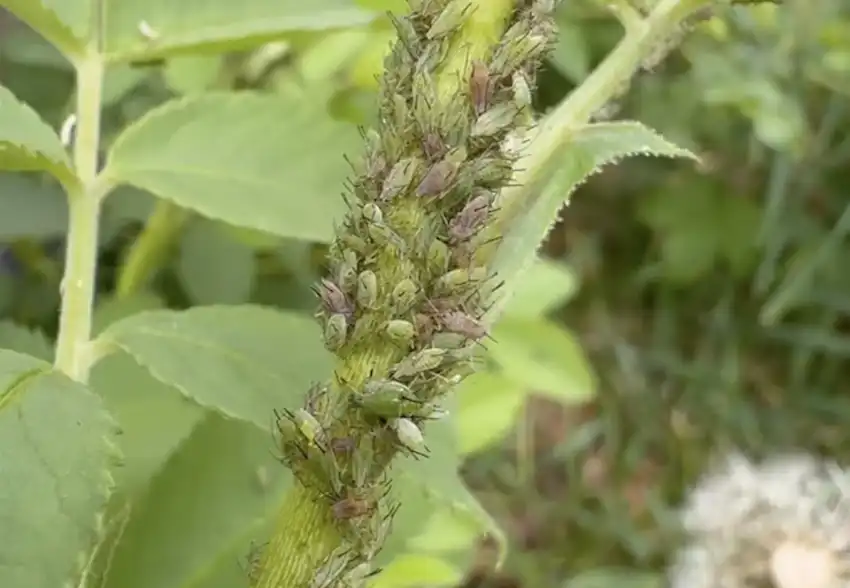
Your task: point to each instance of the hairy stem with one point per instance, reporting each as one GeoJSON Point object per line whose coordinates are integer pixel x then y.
{"type": "Point", "coordinates": [307, 534]}
{"type": "Point", "coordinates": [78, 282]}
{"type": "Point", "coordinates": [151, 247]}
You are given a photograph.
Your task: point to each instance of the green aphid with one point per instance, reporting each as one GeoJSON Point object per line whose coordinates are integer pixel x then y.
{"type": "Point", "coordinates": [372, 213]}
{"type": "Point", "coordinates": [308, 426]}
{"type": "Point", "coordinates": [336, 329]}
{"type": "Point", "coordinates": [418, 362]}
{"type": "Point", "coordinates": [439, 256]}
{"type": "Point", "coordinates": [384, 236]}
{"type": "Point", "coordinates": [387, 405]}
{"type": "Point", "coordinates": [449, 19]}
{"type": "Point", "coordinates": [495, 120]}
{"type": "Point", "coordinates": [367, 289]}
{"type": "Point", "coordinates": [404, 295]}
{"type": "Point", "coordinates": [457, 281]}
{"type": "Point", "coordinates": [400, 331]}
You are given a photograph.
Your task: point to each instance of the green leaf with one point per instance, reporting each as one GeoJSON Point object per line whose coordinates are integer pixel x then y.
{"type": "Point", "coordinates": [544, 287]}
{"type": "Point", "coordinates": [171, 27]}
{"type": "Point", "coordinates": [154, 418]}
{"type": "Point", "coordinates": [201, 511]}
{"type": "Point", "coordinates": [28, 144]}
{"type": "Point", "coordinates": [23, 340]}
{"type": "Point", "coordinates": [413, 570]}
{"type": "Point", "coordinates": [213, 266]}
{"type": "Point", "coordinates": [62, 22]}
{"type": "Point", "coordinates": [192, 74]}
{"type": "Point", "coordinates": [590, 148]}
{"type": "Point", "coordinates": [488, 406]}
{"type": "Point", "coordinates": [434, 485]}
{"type": "Point", "coordinates": [543, 357]}
{"type": "Point", "coordinates": [112, 309]}
{"type": "Point", "coordinates": [259, 161]}
{"type": "Point", "coordinates": [242, 361]}
{"type": "Point", "coordinates": [572, 53]}
{"type": "Point", "coordinates": [55, 480]}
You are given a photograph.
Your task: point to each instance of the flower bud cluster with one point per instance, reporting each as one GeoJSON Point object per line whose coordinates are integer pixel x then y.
{"type": "Point", "coordinates": [403, 303]}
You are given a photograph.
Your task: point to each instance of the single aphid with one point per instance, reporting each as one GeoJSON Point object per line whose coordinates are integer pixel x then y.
{"type": "Point", "coordinates": [463, 324]}
{"type": "Point", "coordinates": [352, 508]}
{"type": "Point", "coordinates": [438, 257]}
{"type": "Point", "coordinates": [438, 179]}
{"type": "Point", "coordinates": [433, 145]}
{"type": "Point", "coordinates": [404, 295]}
{"type": "Point", "coordinates": [333, 298]}
{"type": "Point", "coordinates": [385, 236]}
{"type": "Point", "coordinates": [391, 387]}
{"type": "Point", "coordinates": [336, 330]}
{"type": "Point", "coordinates": [495, 120]}
{"type": "Point", "coordinates": [372, 213]}
{"type": "Point", "coordinates": [399, 178]}
{"type": "Point", "coordinates": [479, 87]}
{"type": "Point", "coordinates": [400, 331]}
{"type": "Point", "coordinates": [367, 289]}
{"type": "Point", "coordinates": [457, 281]}
{"type": "Point", "coordinates": [449, 20]}
{"type": "Point", "coordinates": [409, 435]}
{"type": "Point", "coordinates": [471, 218]}
{"type": "Point", "coordinates": [418, 362]}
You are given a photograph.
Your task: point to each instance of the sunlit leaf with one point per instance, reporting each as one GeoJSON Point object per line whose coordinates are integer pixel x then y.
{"type": "Point", "coordinates": [244, 158]}
{"type": "Point", "coordinates": [23, 340]}
{"type": "Point", "coordinates": [413, 570]}
{"type": "Point", "coordinates": [488, 406]}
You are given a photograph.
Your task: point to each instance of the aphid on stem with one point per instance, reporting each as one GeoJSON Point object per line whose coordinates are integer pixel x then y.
{"type": "Point", "coordinates": [333, 298]}
{"type": "Point", "coordinates": [479, 87]}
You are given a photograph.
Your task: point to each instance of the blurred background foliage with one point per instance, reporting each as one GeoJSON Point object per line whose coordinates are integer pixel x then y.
{"type": "Point", "coordinates": [680, 310]}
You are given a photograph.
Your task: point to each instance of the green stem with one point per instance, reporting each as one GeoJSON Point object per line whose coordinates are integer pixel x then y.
{"type": "Point", "coordinates": [607, 82]}
{"type": "Point", "coordinates": [151, 247]}
{"type": "Point", "coordinates": [78, 282]}
{"type": "Point", "coordinates": [306, 534]}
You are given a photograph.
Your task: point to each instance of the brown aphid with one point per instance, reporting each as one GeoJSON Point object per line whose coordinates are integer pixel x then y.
{"type": "Point", "coordinates": [463, 324]}
{"type": "Point", "coordinates": [433, 145]}
{"type": "Point", "coordinates": [352, 508]}
{"type": "Point", "coordinates": [438, 179]}
{"type": "Point", "coordinates": [333, 298]}
{"type": "Point", "coordinates": [470, 219]}
{"type": "Point", "coordinates": [479, 87]}
{"type": "Point", "coordinates": [424, 326]}
{"type": "Point", "coordinates": [343, 445]}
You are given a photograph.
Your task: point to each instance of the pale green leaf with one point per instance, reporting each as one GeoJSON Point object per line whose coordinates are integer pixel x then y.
{"type": "Point", "coordinates": [62, 22]}
{"type": "Point", "coordinates": [23, 340]}
{"type": "Point", "coordinates": [434, 485]}
{"type": "Point", "coordinates": [213, 267]}
{"type": "Point", "coordinates": [154, 418]}
{"type": "Point", "coordinates": [55, 480]}
{"type": "Point", "coordinates": [544, 357]}
{"type": "Point", "coordinates": [28, 144]}
{"type": "Point", "coordinates": [414, 570]}
{"type": "Point", "coordinates": [572, 53]}
{"type": "Point", "coordinates": [488, 406]}
{"type": "Point", "coordinates": [259, 161]}
{"type": "Point", "coordinates": [202, 510]}
{"type": "Point", "coordinates": [242, 361]}
{"type": "Point", "coordinates": [161, 27]}
{"type": "Point", "coordinates": [589, 149]}
{"type": "Point", "coordinates": [544, 287]}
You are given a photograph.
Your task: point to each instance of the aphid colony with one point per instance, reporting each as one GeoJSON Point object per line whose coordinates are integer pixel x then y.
{"type": "Point", "coordinates": [403, 302]}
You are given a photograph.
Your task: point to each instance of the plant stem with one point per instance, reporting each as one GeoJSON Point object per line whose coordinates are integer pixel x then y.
{"type": "Point", "coordinates": [78, 282]}
{"type": "Point", "coordinates": [607, 82]}
{"type": "Point", "coordinates": [151, 247]}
